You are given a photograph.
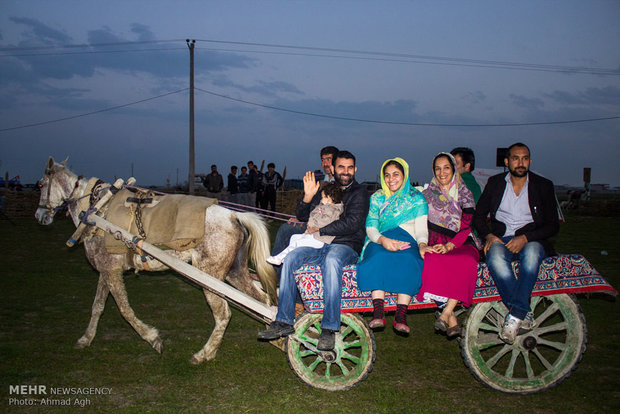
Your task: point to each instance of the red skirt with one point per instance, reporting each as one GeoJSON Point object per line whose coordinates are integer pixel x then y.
{"type": "Point", "coordinates": [451, 275]}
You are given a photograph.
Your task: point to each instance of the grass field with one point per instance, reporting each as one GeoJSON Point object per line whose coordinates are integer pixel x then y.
{"type": "Point", "coordinates": [47, 291]}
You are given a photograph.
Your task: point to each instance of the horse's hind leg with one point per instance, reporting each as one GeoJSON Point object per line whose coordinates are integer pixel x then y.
{"type": "Point", "coordinates": [148, 333]}
{"type": "Point", "coordinates": [221, 314]}
{"type": "Point", "coordinates": [98, 305]}
{"type": "Point", "coordinates": [239, 277]}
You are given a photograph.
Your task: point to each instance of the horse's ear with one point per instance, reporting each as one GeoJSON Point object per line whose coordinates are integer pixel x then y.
{"type": "Point", "coordinates": [50, 163]}
{"type": "Point", "coordinates": [64, 163]}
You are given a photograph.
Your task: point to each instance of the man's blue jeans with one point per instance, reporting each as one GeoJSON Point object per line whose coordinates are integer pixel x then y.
{"type": "Point", "coordinates": [331, 258]}
{"type": "Point", "coordinates": [515, 292]}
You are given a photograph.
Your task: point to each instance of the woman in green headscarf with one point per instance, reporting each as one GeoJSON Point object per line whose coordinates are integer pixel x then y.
{"type": "Point", "coordinates": [396, 242]}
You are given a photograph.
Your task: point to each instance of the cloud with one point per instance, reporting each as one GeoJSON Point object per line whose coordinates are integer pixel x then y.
{"type": "Point", "coordinates": [609, 95]}
{"type": "Point", "coordinates": [526, 103]}
{"type": "Point", "coordinates": [267, 89]}
{"type": "Point", "coordinates": [143, 32]}
{"type": "Point", "coordinates": [475, 97]}
{"type": "Point", "coordinates": [160, 60]}
{"type": "Point", "coordinates": [40, 33]}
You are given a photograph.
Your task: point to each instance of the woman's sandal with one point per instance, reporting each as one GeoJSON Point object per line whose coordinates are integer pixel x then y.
{"type": "Point", "coordinates": [441, 325]}
{"type": "Point", "coordinates": [453, 331]}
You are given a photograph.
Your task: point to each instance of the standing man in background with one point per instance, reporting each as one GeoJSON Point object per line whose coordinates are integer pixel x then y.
{"type": "Point", "coordinates": [233, 187]}
{"type": "Point", "coordinates": [243, 181]}
{"type": "Point", "coordinates": [213, 183]}
{"type": "Point", "coordinates": [272, 181]}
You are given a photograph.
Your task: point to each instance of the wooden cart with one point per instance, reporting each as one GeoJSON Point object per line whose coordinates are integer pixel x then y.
{"type": "Point", "coordinates": [539, 358]}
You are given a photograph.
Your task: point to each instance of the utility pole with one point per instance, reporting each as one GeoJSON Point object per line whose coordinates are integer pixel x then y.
{"type": "Point", "coordinates": [190, 181]}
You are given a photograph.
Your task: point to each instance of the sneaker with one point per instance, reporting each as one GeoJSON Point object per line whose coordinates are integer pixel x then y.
{"type": "Point", "coordinates": [510, 329]}
{"type": "Point", "coordinates": [274, 261]}
{"type": "Point", "coordinates": [528, 323]}
{"type": "Point", "coordinates": [327, 340]}
{"type": "Point", "coordinates": [276, 330]}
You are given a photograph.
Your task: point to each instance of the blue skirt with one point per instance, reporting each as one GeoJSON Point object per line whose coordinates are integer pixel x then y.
{"type": "Point", "coordinates": [394, 272]}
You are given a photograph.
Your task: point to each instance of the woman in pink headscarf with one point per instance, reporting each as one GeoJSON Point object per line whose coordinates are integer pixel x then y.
{"type": "Point", "coordinates": [450, 270]}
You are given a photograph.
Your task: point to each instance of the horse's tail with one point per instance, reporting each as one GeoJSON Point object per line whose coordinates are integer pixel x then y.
{"type": "Point", "coordinates": [258, 242]}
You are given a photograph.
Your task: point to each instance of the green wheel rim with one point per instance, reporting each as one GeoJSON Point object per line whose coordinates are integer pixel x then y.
{"type": "Point", "coordinates": [538, 359]}
{"type": "Point", "coordinates": [353, 355]}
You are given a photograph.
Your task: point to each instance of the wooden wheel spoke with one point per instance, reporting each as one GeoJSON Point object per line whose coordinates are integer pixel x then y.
{"type": "Point", "coordinates": [560, 346]}
{"type": "Point", "coordinates": [493, 360]}
{"type": "Point", "coordinates": [542, 359]}
{"type": "Point", "coordinates": [511, 365]}
{"type": "Point", "coordinates": [528, 365]}
{"type": "Point", "coordinates": [485, 341]}
{"type": "Point", "coordinates": [328, 370]}
{"type": "Point", "coordinates": [309, 339]}
{"type": "Point", "coordinates": [500, 308]}
{"type": "Point", "coordinates": [345, 370]}
{"type": "Point", "coordinates": [562, 326]}
{"type": "Point", "coordinates": [306, 353]}
{"type": "Point", "coordinates": [346, 331]}
{"type": "Point", "coordinates": [487, 327]}
{"type": "Point", "coordinates": [352, 344]}
{"type": "Point", "coordinates": [315, 364]}
{"type": "Point", "coordinates": [352, 358]}
{"type": "Point", "coordinates": [547, 313]}
{"type": "Point", "coordinates": [534, 301]}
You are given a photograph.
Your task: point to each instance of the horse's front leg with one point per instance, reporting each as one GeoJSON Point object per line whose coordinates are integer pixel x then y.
{"type": "Point", "coordinates": [148, 333]}
{"type": "Point", "coordinates": [221, 314]}
{"type": "Point", "coordinates": [98, 305]}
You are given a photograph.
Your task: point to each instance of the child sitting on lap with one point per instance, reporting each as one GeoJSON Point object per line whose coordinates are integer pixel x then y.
{"type": "Point", "coordinates": [326, 212]}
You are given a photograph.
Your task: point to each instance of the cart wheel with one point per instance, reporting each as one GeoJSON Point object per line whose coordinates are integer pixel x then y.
{"type": "Point", "coordinates": [344, 367]}
{"type": "Point", "coordinates": [538, 359]}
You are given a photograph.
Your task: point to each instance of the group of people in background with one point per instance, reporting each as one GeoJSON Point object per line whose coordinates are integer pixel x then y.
{"type": "Point", "coordinates": [251, 187]}
{"type": "Point", "coordinates": [422, 243]}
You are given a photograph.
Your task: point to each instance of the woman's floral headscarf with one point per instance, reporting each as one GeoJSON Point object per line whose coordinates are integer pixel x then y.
{"type": "Point", "coordinates": [446, 206]}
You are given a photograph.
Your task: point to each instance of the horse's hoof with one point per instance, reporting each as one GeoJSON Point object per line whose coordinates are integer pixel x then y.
{"type": "Point", "coordinates": [158, 345]}
{"type": "Point", "coordinates": [194, 360]}
{"type": "Point", "coordinates": [82, 343]}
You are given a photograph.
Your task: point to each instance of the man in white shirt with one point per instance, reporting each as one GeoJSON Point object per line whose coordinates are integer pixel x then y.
{"type": "Point", "coordinates": [524, 216]}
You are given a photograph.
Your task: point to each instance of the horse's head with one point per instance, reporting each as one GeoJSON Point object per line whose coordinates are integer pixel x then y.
{"type": "Point", "coordinates": [56, 186]}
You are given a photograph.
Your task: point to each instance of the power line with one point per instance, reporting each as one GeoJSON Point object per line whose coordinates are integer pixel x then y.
{"type": "Point", "coordinates": [341, 118]}
{"type": "Point", "coordinates": [373, 121]}
{"type": "Point", "coordinates": [92, 113]}
{"type": "Point", "coordinates": [493, 63]}
{"type": "Point", "coordinates": [600, 72]}
{"type": "Point", "coordinates": [366, 55]}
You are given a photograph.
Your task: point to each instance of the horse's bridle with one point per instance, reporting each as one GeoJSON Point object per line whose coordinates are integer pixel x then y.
{"type": "Point", "coordinates": [65, 201]}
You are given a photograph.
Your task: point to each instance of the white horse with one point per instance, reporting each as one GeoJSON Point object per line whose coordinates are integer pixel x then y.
{"type": "Point", "coordinates": [223, 253]}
